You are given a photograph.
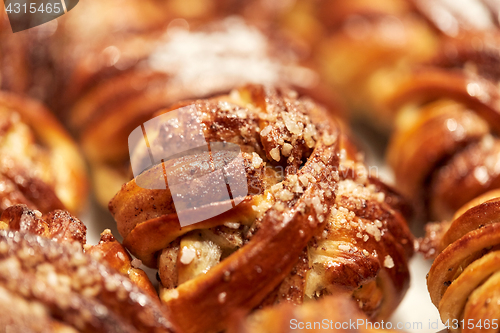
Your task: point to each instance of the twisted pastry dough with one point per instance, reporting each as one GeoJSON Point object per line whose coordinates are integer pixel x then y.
{"type": "Point", "coordinates": [446, 128]}
{"type": "Point", "coordinates": [321, 227]}
{"type": "Point", "coordinates": [62, 227]}
{"type": "Point", "coordinates": [51, 281]}
{"type": "Point", "coordinates": [463, 279]}
{"type": "Point", "coordinates": [364, 48]}
{"type": "Point", "coordinates": [40, 165]}
{"type": "Point", "coordinates": [445, 152]}
{"type": "Point", "coordinates": [434, 83]}
{"type": "Point", "coordinates": [74, 53]}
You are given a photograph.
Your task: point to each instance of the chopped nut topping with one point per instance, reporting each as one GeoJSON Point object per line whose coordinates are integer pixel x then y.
{"type": "Point", "coordinates": [291, 124]}
{"type": "Point", "coordinates": [232, 225]}
{"type": "Point", "coordinates": [344, 247]}
{"type": "Point", "coordinates": [187, 255]}
{"type": "Point", "coordinates": [329, 139]}
{"type": "Point", "coordinates": [303, 180]}
{"type": "Point", "coordinates": [286, 195]}
{"type": "Point", "coordinates": [265, 132]}
{"type": "Point", "coordinates": [374, 231]}
{"type": "Point", "coordinates": [309, 134]}
{"type": "Point", "coordinates": [388, 262]}
{"type": "Point", "coordinates": [256, 160]}
{"type": "Point", "coordinates": [275, 154]}
{"type": "Point", "coordinates": [287, 149]}
{"type": "Point", "coordinates": [222, 297]}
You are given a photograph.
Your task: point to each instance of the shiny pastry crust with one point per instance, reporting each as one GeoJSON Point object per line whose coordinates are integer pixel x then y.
{"type": "Point", "coordinates": [444, 152]}
{"type": "Point", "coordinates": [112, 45]}
{"type": "Point", "coordinates": [65, 287]}
{"type": "Point", "coordinates": [57, 225]}
{"type": "Point", "coordinates": [324, 212]}
{"type": "Point", "coordinates": [40, 164]}
{"type": "Point", "coordinates": [110, 251]}
{"type": "Point", "coordinates": [367, 48]}
{"type": "Point", "coordinates": [445, 138]}
{"type": "Point", "coordinates": [119, 36]}
{"type": "Point", "coordinates": [463, 279]}
{"type": "Point", "coordinates": [420, 150]}
{"type": "Point", "coordinates": [447, 121]}
{"type": "Point", "coordinates": [61, 226]}
{"type": "Point", "coordinates": [370, 48]}
{"type": "Point", "coordinates": [177, 64]}
{"type": "Point", "coordinates": [435, 84]}
{"type": "Point", "coordinates": [47, 274]}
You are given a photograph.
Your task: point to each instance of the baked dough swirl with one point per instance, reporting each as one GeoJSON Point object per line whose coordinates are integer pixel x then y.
{"type": "Point", "coordinates": [432, 86]}
{"type": "Point", "coordinates": [49, 283]}
{"type": "Point", "coordinates": [322, 226]}
{"type": "Point", "coordinates": [463, 280]}
{"type": "Point", "coordinates": [447, 128]}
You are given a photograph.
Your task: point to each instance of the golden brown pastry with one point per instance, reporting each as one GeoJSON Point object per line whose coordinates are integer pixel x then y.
{"type": "Point", "coordinates": [73, 53]}
{"type": "Point", "coordinates": [40, 165]}
{"type": "Point", "coordinates": [314, 222]}
{"type": "Point", "coordinates": [61, 226]}
{"type": "Point", "coordinates": [177, 64]}
{"type": "Point", "coordinates": [447, 129]}
{"type": "Point", "coordinates": [66, 289]}
{"type": "Point", "coordinates": [123, 34]}
{"type": "Point", "coordinates": [57, 225]}
{"type": "Point", "coordinates": [429, 70]}
{"type": "Point", "coordinates": [59, 60]}
{"type": "Point", "coordinates": [445, 149]}
{"type": "Point", "coordinates": [463, 279]}
{"type": "Point", "coordinates": [26, 66]}
{"type": "Point", "coordinates": [109, 250]}
{"type": "Point", "coordinates": [365, 49]}
{"type": "Point", "coordinates": [330, 314]}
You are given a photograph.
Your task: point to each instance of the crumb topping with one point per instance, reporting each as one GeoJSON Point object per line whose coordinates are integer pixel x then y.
{"type": "Point", "coordinates": [388, 262]}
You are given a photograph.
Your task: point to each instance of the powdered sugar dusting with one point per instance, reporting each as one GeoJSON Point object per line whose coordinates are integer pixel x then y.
{"type": "Point", "coordinates": [232, 53]}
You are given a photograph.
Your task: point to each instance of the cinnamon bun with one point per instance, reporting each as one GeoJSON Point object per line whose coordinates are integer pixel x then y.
{"type": "Point", "coordinates": [313, 223]}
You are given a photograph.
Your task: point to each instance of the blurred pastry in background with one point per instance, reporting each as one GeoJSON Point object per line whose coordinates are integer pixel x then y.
{"type": "Point", "coordinates": [366, 46]}
{"type": "Point", "coordinates": [40, 164]}
{"type": "Point", "coordinates": [365, 49]}
{"type": "Point", "coordinates": [75, 51]}
{"type": "Point", "coordinates": [424, 73]}
{"type": "Point", "coordinates": [26, 66]}
{"type": "Point", "coordinates": [445, 150]}
{"type": "Point", "coordinates": [103, 39]}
